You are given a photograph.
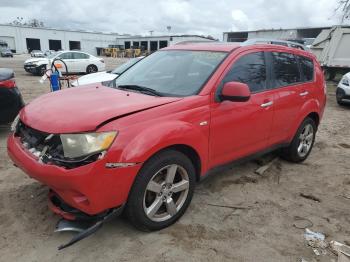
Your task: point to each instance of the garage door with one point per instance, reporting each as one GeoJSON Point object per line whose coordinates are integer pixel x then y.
{"type": "Point", "coordinates": [10, 41]}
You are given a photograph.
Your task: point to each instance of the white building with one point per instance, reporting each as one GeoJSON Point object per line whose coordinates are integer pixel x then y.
{"type": "Point", "coordinates": [24, 38]}
{"type": "Point", "coordinates": [153, 43]}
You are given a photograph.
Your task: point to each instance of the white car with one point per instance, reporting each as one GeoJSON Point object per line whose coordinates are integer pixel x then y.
{"type": "Point", "coordinates": [37, 53]}
{"type": "Point", "coordinates": [343, 90]}
{"type": "Point", "coordinates": [76, 61]}
{"type": "Point", "coordinates": [107, 76]}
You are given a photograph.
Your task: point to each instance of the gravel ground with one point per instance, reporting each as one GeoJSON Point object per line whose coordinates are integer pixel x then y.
{"type": "Point", "coordinates": [261, 231]}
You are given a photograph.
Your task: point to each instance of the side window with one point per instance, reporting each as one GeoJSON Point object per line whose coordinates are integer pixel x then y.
{"type": "Point", "coordinates": [251, 70]}
{"type": "Point", "coordinates": [77, 55]}
{"type": "Point", "coordinates": [307, 68]}
{"type": "Point", "coordinates": [67, 55]}
{"type": "Point", "coordinates": [285, 69]}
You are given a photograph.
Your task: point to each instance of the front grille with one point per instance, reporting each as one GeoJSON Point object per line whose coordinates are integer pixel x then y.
{"type": "Point", "coordinates": [48, 148]}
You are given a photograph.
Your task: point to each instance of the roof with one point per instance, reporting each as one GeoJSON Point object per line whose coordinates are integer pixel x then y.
{"type": "Point", "coordinates": [61, 29]}
{"type": "Point", "coordinates": [205, 46]}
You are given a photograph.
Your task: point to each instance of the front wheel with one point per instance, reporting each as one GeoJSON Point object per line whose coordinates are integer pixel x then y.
{"type": "Point", "coordinates": [302, 143]}
{"type": "Point", "coordinates": [162, 191]}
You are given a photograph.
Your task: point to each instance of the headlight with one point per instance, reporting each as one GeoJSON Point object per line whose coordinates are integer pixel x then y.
{"type": "Point", "coordinates": [345, 81]}
{"type": "Point", "coordinates": [15, 124]}
{"type": "Point", "coordinates": [79, 145]}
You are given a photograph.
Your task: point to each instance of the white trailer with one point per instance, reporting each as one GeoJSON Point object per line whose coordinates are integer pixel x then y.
{"type": "Point", "coordinates": [332, 49]}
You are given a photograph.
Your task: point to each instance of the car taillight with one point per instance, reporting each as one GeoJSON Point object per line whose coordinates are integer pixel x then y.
{"type": "Point", "coordinates": [8, 83]}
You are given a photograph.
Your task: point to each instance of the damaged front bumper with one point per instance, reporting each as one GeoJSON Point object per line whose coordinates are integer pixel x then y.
{"type": "Point", "coordinates": [77, 221]}
{"type": "Point", "coordinates": [91, 188]}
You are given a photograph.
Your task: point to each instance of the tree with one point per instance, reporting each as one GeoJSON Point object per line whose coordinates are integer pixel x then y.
{"type": "Point", "coordinates": [32, 22]}
{"type": "Point", "coordinates": [344, 8]}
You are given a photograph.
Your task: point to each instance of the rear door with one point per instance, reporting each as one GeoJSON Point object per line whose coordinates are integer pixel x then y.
{"type": "Point", "coordinates": [81, 61]}
{"type": "Point", "coordinates": [238, 129]}
{"type": "Point", "coordinates": [287, 84]}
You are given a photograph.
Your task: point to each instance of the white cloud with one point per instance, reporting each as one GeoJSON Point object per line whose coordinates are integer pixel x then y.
{"type": "Point", "coordinates": [184, 16]}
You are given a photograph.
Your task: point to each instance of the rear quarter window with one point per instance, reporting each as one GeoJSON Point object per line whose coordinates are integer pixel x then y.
{"type": "Point", "coordinates": [306, 68]}
{"type": "Point", "coordinates": [285, 69]}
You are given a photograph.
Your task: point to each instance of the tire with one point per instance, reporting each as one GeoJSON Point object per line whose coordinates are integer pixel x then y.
{"type": "Point", "coordinates": [302, 143]}
{"type": "Point", "coordinates": [41, 70]}
{"type": "Point", "coordinates": [91, 69]}
{"type": "Point", "coordinates": [340, 93]}
{"type": "Point", "coordinates": [150, 189]}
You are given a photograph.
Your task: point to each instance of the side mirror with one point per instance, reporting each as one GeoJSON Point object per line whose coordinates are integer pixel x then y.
{"type": "Point", "coordinates": [235, 92]}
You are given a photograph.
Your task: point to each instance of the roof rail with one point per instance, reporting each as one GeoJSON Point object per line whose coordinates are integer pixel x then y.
{"type": "Point", "coordinates": [256, 41]}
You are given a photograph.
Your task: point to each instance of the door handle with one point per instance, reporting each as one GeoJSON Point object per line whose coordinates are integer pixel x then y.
{"type": "Point", "coordinates": [267, 104]}
{"type": "Point", "coordinates": [305, 93]}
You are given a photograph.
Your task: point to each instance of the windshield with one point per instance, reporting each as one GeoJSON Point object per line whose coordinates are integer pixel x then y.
{"type": "Point", "coordinates": [173, 73]}
{"type": "Point", "coordinates": [122, 68]}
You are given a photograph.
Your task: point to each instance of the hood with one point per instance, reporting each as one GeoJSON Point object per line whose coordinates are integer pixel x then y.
{"type": "Point", "coordinates": [94, 78]}
{"type": "Point", "coordinates": [36, 59]}
{"type": "Point", "coordinates": [84, 109]}
{"type": "Point", "coordinates": [347, 76]}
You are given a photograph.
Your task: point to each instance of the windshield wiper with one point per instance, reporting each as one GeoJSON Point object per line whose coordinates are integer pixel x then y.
{"type": "Point", "coordinates": [141, 89]}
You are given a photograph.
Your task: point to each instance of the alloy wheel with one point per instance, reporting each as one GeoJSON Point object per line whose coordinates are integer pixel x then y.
{"type": "Point", "coordinates": [305, 140]}
{"type": "Point", "coordinates": [166, 193]}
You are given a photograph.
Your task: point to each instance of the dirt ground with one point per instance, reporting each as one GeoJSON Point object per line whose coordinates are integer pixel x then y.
{"type": "Point", "coordinates": [262, 231]}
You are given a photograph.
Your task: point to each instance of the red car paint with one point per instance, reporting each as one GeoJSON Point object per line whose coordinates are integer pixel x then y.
{"type": "Point", "coordinates": [218, 132]}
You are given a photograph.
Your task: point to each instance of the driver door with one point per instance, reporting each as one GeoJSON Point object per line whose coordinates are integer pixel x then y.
{"type": "Point", "coordinates": [239, 129]}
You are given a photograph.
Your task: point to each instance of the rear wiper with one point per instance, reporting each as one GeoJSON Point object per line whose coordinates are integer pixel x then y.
{"type": "Point", "coordinates": [141, 89]}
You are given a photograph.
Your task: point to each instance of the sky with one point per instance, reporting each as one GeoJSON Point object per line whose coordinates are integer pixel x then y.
{"type": "Point", "coordinates": [204, 17]}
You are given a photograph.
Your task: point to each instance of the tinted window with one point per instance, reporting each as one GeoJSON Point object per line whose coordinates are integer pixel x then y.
{"type": "Point", "coordinates": [249, 69]}
{"type": "Point", "coordinates": [285, 69]}
{"type": "Point", "coordinates": [307, 68]}
{"type": "Point", "coordinates": [80, 56]}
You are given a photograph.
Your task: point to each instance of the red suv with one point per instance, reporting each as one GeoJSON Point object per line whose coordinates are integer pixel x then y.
{"type": "Point", "coordinates": [142, 144]}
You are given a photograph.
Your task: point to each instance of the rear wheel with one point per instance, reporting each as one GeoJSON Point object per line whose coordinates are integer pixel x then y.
{"type": "Point", "coordinates": [302, 142]}
{"type": "Point", "coordinates": [162, 191]}
{"type": "Point", "coordinates": [91, 69]}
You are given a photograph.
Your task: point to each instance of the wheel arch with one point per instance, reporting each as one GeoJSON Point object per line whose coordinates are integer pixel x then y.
{"type": "Point", "coordinates": [189, 152]}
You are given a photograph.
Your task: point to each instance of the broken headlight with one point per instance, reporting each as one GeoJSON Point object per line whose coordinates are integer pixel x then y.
{"type": "Point", "coordinates": [79, 145]}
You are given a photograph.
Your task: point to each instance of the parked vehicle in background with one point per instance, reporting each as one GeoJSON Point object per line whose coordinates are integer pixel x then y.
{"type": "Point", "coordinates": [108, 76]}
{"type": "Point", "coordinates": [37, 53]}
{"type": "Point", "coordinates": [49, 52]}
{"type": "Point", "coordinates": [343, 90]}
{"type": "Point", "coordinates": [6, 52]}
{"type": "Point", "coordinates": [332, 49]}
{"type": "Point", "coordinates": [76, 61]}
{"type": "Point", "coordinates": [173, 118]}
{"type": "Point", "coordinates": [275, 42]}
{"type": "Point", "coordinates": [11, 100]}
